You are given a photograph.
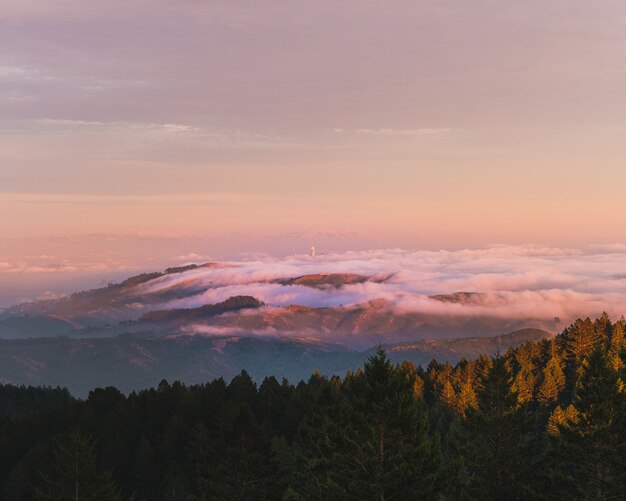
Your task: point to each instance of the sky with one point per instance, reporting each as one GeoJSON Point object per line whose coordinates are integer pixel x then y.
{"type": "Point", "coordinates": [133, 133]}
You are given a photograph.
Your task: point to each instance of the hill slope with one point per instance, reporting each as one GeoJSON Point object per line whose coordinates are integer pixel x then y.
{"type": "Point", "coordinates": [132, 363]}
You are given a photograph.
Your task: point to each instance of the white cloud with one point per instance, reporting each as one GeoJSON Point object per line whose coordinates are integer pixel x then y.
{"type": "Point", "coordinates": [419, 133]}
{"type": "Point", "coordinates": [192, 257]}
{"type": "Point", "coordinates": [406, 132]}
{"type": "Point", "coordinates": [514, 282]}
{"type": "Point", "coordinates": [13, 72]}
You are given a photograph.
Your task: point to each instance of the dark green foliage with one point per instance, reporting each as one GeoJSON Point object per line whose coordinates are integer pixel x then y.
{"type": "Point", "coordinates": [372, 442]}
{"type": "Point", "coordinates": [591, 445]}
{"type": "Point", "coordinates": [236, 464]}
{"type": "Point", "coordinates": [502, 451]}
{"type": "Point", "coordinates": [234, 303]}
{"type": "Point", "coordinates": [553, 381]}
{"type": "Point", "coordinates": [21, 400]}
{"type": "Point", "coordinates": [581, 337]}
{"type": "Point", "coordinates": [72, 473]}
{"type": "Point", "coordinates": [546, 420]}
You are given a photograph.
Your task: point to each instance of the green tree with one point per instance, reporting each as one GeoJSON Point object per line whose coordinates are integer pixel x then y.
{"type": "Point", "coordinates": [238, 463]}
{"type": "Point", "coordinates": [447, 395]}
{"type": "Point", "coordinates": [526, 378]}
{"type": "Point", "coordinates": [553, 382]}
{"type": "Point", "coordinates": [374, 443]}
{"type": "Point", "coordinates": [580, 338]}
{"type": "Point", "coordinates": [616, 346]}
{"type": "Point", "coordinates": [499, 445]}
{"type": "Point", "coordinates": [591, 447]}
{"type": "Point", "coordinates": [560, 418]}
{"type": "Point", "coordinates": [74, 475]}
{"type": "Point", "coordinates": [144, 469]}
{"type": "Point", "coordinates": [466, 398]}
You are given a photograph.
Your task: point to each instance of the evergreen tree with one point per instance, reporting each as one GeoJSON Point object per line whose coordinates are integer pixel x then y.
{"type": "Point", "coordinates": [616, 346]}
{"type": "Point", "coordinates": [580, 338]}
{"type": "Point", "coordinates": [466, 398]}
{"type": "Point", "coordinates": [144, 470]}
{"type": "Point", "coordinates": [73, 474]}
{"type": "Point", "coordinates": [603, 327]}
{"type": "Point", "coordinates": [560, 418]}
{"type": "Point", "coordinates": [373, 444]}
{"type": "Point", "coordinates": [237, 463]}
{"type": "Point", "coordinates": [553, 382]}
{"type": "Point", "coordinates": [173, 441]}
{"type": "Point", "coordinates": [499, 445]}
{"type": "Point", "coordinates": [525, 379]}
{"type": "Point", "coordinates": [447, 395]}
{"type": "Point", "coordinates": [375, 434]}
{"type": "Point", "coordinates": [592, 447]}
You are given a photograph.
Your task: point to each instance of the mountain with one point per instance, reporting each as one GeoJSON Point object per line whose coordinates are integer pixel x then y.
{"type": "Point", "coordinates": [198, 322]}
{"type": "Point", "coordinates": [324, 280]}
{"type": "Point", "coordinates": [26, 326]}
{"type": "Point", "coordinates": [452, 350]}
{"type": "Point", "coordinates": [358, 309]}
{"type": "Point", "coordinates": [116, 302]}
{"type": "Point", "coordinates": [132, 363]}
{"type": "Point", "coordinates": [202, 312]}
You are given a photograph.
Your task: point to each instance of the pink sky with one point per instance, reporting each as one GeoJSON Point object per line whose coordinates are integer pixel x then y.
{"type": "Point", "coordinates": [261, 127]}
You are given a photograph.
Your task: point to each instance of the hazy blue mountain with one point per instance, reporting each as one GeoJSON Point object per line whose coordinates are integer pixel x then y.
{"type": "Point", "coordinates": [131, 363]}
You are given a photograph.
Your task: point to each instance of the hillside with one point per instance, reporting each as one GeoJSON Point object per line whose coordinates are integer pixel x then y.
{"type": "Point", "coordinates": [356, 309]}
{"type": "Point", "coordinates": [504, 427]}
{"type": "Point", "coordinates": [131, 363]}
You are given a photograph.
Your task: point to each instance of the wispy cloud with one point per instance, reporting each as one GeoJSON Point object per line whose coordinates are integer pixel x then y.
{"type": "Point", "coordinates": [13, 72]}
{"type": "Point", "coordinates": [418, 133]}
{"type": "Point", "coordinates": [146, 136]}
{"type": "Point", "coordinates": [427, 132]}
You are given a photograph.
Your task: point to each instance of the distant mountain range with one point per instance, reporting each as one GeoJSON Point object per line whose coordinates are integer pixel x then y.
{"type": "Point", "coordinates": [160, 325]}
{"type": "Point", "coordinates": [156, 304]}
{"type": "Point", "coordinates": [131, 363]}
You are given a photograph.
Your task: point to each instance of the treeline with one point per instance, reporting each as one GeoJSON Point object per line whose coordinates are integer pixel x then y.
{"type": "Point", "coordinates": [546, 420]}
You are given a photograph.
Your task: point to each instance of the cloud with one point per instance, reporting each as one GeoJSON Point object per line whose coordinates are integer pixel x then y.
{"type": "Point", "coordinates": [388, 133]}
{"type": "Point", "coordinates": [192, 257]}
{"type": "Point", "coordinates": [45, 264]}
{"type": "Point", "coordinates": [406, 132]}
{"type": "Point", "coordinates": [517, 282]}
{"type": "Point", "coordinates": [617, 248]}
{"type": "Point", "coordinates": [11, 72]}
{"type": "Point", "coordinates": [49, 295]}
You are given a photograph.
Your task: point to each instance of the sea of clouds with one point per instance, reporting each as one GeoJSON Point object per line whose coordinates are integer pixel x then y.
{"type": "Point", "coordinates": [517, 282]}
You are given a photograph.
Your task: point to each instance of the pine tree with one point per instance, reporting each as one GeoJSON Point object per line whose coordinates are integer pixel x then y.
{"type": "Point", "coordinates": [500, 448]}
{"type": "Point", "coordinates": [448, 395]}
{"type": "Point", "coordinates": [592, 447]}
{"type": "Point", "coordinates": [418, 388]}
{"type": "Point", "coordinates": [466, 398]}
{"type": "Point", "coordinates": [616, 346]}
{"type": "Point", "coordinates": [553, 382]}
{"type": "Point", "coordinates": [237, 463]}
{"type": "Point", "coordinates": [373, 444]}
{"type": "Point", "coordinates": [603, 327]}
{"type": "Point", "coordinates": [525, 379]}
{"type": "Point", "coordinates": [171, 448]}
{"type": "Point", "coordinates": [560, 418]}
{"type": "Point", "coordinates": [73, 474]}
{"type": "Point", "coordinates": [144, 469]}
{"type": "Point", "coordinates": [581, 338]}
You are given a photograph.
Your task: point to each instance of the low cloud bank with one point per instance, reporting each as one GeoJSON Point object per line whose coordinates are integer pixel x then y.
{"type": "Point", "coordinates": [514, 282]}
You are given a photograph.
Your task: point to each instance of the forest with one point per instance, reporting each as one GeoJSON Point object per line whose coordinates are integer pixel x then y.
{"type": "Point", "coordinates": [546, 420]}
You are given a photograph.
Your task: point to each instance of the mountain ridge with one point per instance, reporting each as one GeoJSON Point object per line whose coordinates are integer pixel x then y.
{"type": "Point", "coordinates": [133, 363]}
